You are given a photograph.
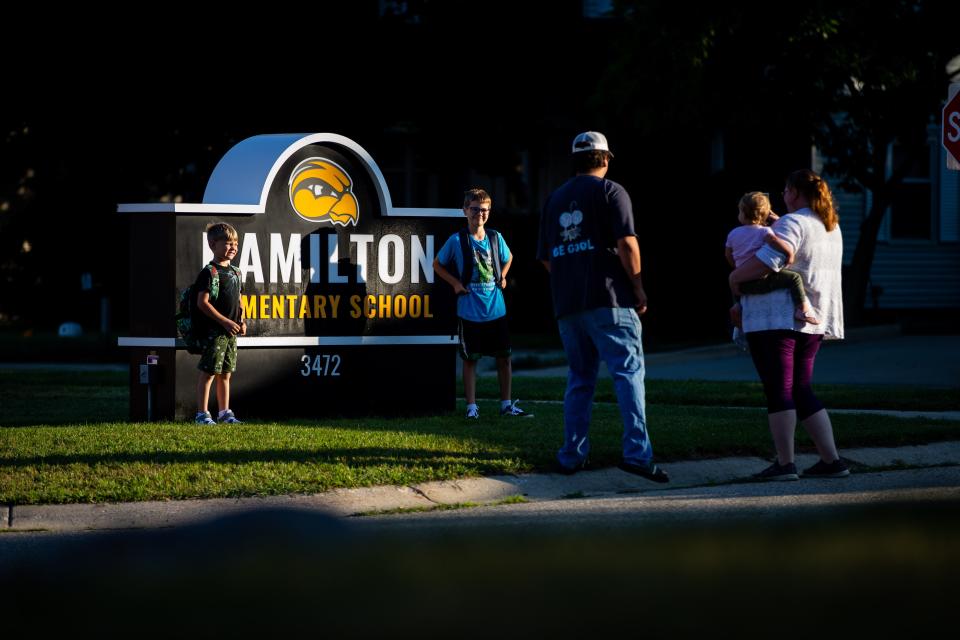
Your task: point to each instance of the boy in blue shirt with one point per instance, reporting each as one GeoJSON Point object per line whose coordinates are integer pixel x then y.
{"type": "Point", "coordinates": [480, 307]}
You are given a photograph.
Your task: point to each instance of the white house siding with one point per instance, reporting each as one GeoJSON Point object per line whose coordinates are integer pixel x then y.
{"type": "Point", "coordinates": [917, 276]}
{"type": "Point", "coordinates": [911, 274]}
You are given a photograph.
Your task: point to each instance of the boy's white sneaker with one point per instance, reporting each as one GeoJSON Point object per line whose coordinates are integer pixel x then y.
{"type": "Point", "coordinates": [473, 413]}
{"type": "Point", "coordinates": [204, 417]}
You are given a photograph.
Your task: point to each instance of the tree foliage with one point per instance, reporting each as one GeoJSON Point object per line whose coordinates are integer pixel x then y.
{"type": "Point", "coordinates": [853, 77]}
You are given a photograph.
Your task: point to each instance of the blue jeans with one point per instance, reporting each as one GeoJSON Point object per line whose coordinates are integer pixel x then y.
{"type": "Point", "coordinates": [613, 335]}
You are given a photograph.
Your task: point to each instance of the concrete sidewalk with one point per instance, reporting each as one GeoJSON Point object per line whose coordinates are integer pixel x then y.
{"type": "Point", "coordinates": [533, 487]}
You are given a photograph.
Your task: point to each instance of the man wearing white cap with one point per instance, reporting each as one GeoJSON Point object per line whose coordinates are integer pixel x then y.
{"type": "Point", "coordinates": [588, 244]}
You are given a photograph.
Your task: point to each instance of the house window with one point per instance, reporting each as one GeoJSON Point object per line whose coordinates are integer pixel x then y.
{"type": "Point", "coordinates": [597, 8]}
{"type": "Point", "coordinates": [912, 205]}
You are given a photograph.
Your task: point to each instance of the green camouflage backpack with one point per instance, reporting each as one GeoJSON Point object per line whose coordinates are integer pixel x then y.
{"type": "Point", "coordinates": [187, 308]}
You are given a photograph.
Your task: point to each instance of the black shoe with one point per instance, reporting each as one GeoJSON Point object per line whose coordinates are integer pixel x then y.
{"type": "Point", "coordinates": [776, 471]}
{"type": "Point", "coordinates": [569, 471]}
{"type": "Point", "coordinates": [835, 469]}
{"type": "Point", "coordinates": [650, 471]}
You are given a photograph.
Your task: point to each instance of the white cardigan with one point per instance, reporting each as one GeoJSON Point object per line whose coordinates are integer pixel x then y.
{"type": "Point", "coordinates": [818, 256]}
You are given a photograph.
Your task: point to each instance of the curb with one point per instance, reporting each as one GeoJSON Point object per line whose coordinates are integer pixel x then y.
{"type": "Point", "coordinates": [373, 500]}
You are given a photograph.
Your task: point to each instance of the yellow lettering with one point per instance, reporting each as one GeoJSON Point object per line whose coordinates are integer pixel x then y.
{"type": "Point", "coordinates": [383, 306]}
{"type": "Point", "coordinates": [328, 306]}
{"type": "Point", "coordinates": [278, 309]}
{"type": "Point", "coordinates": [249, 304]}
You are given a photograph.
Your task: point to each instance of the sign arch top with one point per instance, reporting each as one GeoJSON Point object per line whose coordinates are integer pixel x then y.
{"type": "Point", "coordinates": [242, 178]}
{"type": "Point", "coordinates": [245, 173]}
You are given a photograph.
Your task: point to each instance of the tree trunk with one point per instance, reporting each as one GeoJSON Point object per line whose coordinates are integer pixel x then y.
{"type": "Point", "coordinates": [857, 278]}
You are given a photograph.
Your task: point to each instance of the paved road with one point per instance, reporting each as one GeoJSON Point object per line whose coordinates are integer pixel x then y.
{"type": "Point", "coordinates": [914, 360]}
{"type": "Point", "coordinates": [880, 356]}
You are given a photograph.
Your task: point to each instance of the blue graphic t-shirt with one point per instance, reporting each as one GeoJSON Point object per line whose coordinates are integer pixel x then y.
{"type": "Point", "coordinates": [485, 301]}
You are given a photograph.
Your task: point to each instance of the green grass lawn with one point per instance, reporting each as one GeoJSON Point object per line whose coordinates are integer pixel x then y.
{"type": "Point", "coordinates": [65, 439]}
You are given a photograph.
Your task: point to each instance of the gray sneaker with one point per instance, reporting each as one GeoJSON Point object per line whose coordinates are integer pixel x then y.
{"type": "Point", "coordinates": [835, 469]}
{"type": "Point", "coordinates": [776, 471]}
{"type": "Point", "coordinates": [204, 417]}
{"type": "Point", "coordinates": [229, 418]}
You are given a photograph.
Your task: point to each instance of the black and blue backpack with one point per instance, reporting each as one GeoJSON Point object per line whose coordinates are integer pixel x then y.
{"type": "Point", "coordinates": [466, 251]}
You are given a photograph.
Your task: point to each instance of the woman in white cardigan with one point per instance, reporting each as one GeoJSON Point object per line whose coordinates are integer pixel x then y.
{"type": "Point", "coordinates": [784, 349]}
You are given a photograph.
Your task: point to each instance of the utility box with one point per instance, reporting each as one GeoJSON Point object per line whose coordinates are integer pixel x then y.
{"type": "Point", "coordinates": [148, 374]}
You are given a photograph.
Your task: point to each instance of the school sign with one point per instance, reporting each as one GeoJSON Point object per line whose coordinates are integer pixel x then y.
{"type": "Point", "coordinates": [343, 313]}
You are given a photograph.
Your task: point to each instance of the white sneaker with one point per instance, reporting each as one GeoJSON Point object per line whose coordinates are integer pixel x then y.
{"type": "Point", "coordinates": [473, 413]}
{"type": "Point", "coordinates": [204, 417]}
{"type": "Point", "coordinates": [515, 411]}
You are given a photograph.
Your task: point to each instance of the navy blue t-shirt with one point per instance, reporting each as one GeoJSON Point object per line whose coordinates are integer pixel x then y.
{"type": "Point", "coordinates": [579, 228]}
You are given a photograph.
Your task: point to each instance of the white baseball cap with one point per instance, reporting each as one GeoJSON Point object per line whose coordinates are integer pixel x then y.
{"type": "Point", "coordinates": [591, 141]}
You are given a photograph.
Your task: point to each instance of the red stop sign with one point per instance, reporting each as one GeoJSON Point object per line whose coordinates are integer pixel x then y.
{"type": "Point", "coordinates": [951, 126]}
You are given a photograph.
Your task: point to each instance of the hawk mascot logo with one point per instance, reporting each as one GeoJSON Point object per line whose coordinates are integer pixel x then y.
{"type": "Point", "coordinates": [321, 190]}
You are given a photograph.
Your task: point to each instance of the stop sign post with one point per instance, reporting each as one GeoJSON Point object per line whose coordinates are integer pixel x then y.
{"type": "Point", "coordinates": [951, 127]}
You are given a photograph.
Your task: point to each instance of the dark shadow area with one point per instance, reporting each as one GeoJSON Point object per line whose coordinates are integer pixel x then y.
{"type": "Point", "coordinates": [881, 571]}
{"type": "Point", "coordinates": [334, 320]}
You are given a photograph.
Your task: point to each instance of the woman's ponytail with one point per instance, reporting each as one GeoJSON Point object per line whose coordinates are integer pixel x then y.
{"type": "Point", "coordinates": [817, 192]}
